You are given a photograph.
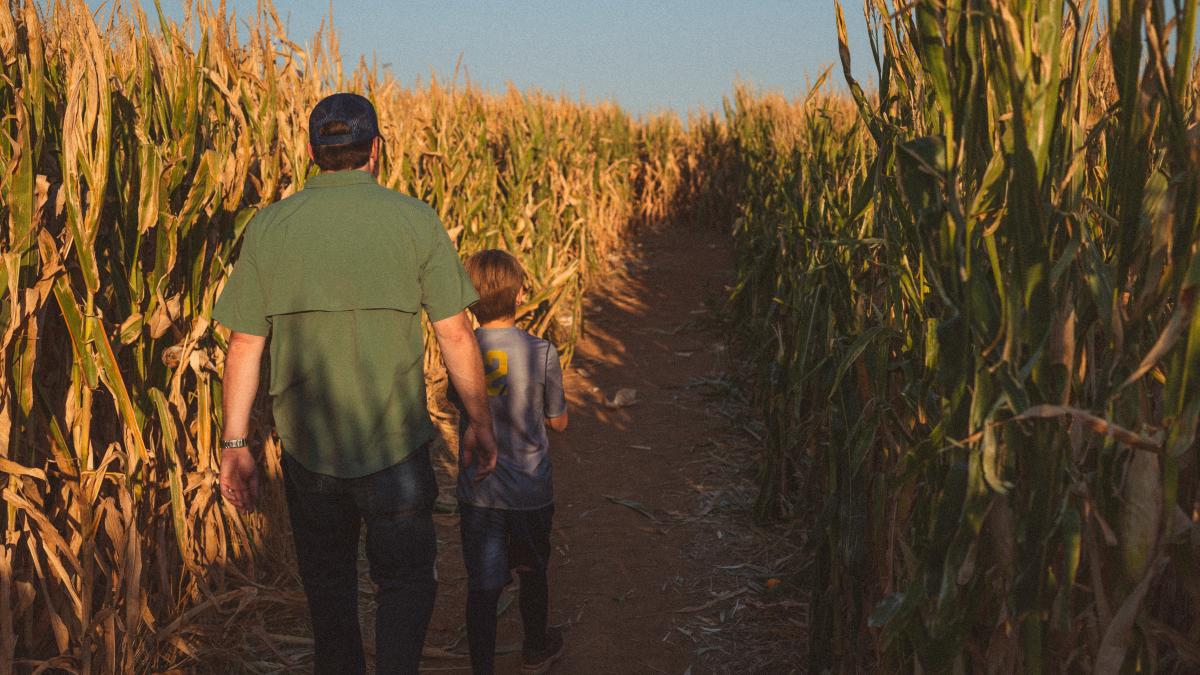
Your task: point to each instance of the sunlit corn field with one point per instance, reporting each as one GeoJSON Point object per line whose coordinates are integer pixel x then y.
{"type": "Point", "coordinates": [966, 287]}
{"type": "Point", "coordinates": [133, 152]}
{"type": "Point", "coordinates": [974, 290]}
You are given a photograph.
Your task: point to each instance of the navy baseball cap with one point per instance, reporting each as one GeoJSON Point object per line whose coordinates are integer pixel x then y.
{"type": "Point", "coordinates": [353, 110]}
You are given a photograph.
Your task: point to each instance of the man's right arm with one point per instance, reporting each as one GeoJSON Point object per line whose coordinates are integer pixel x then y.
{"type": "Point", "coordinates": [239, 473]}
{"type": "Point", "coordinates": [464, 363]}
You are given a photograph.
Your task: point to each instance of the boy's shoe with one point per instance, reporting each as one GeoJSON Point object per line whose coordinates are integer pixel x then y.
{"type": "Point", "coordinates": [539, 661]}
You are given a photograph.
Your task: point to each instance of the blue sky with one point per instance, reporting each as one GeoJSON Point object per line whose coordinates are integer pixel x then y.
{"type": "Point", "coordinates": [647, 55]}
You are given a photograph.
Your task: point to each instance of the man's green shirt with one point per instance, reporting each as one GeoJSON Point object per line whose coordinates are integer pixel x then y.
{"type": "Point", "coordinates": [337, 275]}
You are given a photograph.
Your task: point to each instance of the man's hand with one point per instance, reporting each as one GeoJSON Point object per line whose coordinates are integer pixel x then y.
{"type": "Point", "coordinates": [239, 478]}
{"type": "Point", "coordinates": [479, 448]}
{"type": "Point", "coordinates": [464, 363]}
{"type": "Point", "coordinates": [239, 475]}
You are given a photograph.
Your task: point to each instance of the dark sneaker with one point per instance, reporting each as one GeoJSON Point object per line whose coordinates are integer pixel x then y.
{"type": "Point", "coordinates": [539, 661]}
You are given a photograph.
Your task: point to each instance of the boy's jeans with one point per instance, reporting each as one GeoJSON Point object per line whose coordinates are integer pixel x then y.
{"type": "Point", "coordinates": [397, 506]}
{"type": "Point", "coordinates": [496, 541]}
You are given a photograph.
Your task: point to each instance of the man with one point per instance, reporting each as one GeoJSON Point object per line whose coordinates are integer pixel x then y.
{"type": "Point", "coordinates": [336, 275]}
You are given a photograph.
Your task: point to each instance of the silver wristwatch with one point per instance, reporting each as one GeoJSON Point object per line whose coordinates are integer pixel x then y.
{"type": "Point", "coordinates": [233, 443]}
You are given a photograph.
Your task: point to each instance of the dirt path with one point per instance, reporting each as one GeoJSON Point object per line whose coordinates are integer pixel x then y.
{"type": "Point", "coordinates": [629, 482]}
{"type": "Point", "coordinates": [658, 566]}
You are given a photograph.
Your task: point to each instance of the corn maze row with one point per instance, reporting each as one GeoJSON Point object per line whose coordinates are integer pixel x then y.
{"type": "Point", "coordinates": [968, 297]}
{"type": "Point", "coordinates": [976, 293]}
{"type": "Point", "coordinates": [134, 150]}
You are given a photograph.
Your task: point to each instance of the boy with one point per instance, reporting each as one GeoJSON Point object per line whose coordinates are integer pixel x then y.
{"type": "Point", "coordinates": [505, 519]}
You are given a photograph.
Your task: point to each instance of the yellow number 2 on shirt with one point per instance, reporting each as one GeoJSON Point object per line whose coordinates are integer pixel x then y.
{"type": "Point", "coordinates": [496, 365]}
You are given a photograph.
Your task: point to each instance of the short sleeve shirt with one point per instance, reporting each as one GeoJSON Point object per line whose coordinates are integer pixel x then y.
{"type": "Point", "coordinates": [524, 387]}
{"type": "Point", "coordinates": [337, 275]}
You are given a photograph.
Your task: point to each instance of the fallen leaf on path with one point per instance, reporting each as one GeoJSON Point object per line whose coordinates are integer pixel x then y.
{"type": "Point", "coordinates": [720, 598]}
{"type": "Point", "coordinates": [506, 601]}
{"type": "Point", "coordinates": [435, 652]}
{"type": "Point", "coordinates": [631, 505]}
{"type": "Point", "coordinates": [623, 399]}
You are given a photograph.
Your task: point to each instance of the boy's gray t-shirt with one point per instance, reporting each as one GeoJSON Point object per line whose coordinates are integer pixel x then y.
{"type": "Point", "coordinates": [524, 386]}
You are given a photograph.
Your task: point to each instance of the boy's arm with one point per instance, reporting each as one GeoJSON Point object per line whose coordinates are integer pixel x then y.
{"type": "Point", "coordinates": [558, 423]}
{"type": "Point", "coordinates": [555, 397]}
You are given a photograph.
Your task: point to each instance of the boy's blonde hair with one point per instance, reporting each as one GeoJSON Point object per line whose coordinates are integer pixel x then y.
{"type": "Point", "coordinates": [498, 278]}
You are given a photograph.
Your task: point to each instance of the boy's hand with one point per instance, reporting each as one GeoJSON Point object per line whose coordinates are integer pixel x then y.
{"type": "Point", "coordinates": [479, 449]}
{"type": "Point", "coordinates": [559, 423]}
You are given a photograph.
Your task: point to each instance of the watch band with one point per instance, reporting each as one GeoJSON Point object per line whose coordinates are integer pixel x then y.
{"type": "Point", "coordinates": [233, 443]}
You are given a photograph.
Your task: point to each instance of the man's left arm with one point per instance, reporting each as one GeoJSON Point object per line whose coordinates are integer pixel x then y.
{"type": "Point", "coordinates": [446, 292]}
{"type": "Point", "coordinates": [464, 365]}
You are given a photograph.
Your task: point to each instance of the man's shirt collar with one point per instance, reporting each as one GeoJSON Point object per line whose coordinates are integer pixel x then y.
{"type": "Point", "coordinates": [339, 179]}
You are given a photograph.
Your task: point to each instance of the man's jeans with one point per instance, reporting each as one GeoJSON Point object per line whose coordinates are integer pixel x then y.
{"type": "Point", "coordinates": [397, 506]}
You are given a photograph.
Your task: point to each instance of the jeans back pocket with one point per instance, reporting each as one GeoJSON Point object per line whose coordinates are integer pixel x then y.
{"type": "Point", "coordinates": [403, 489]}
